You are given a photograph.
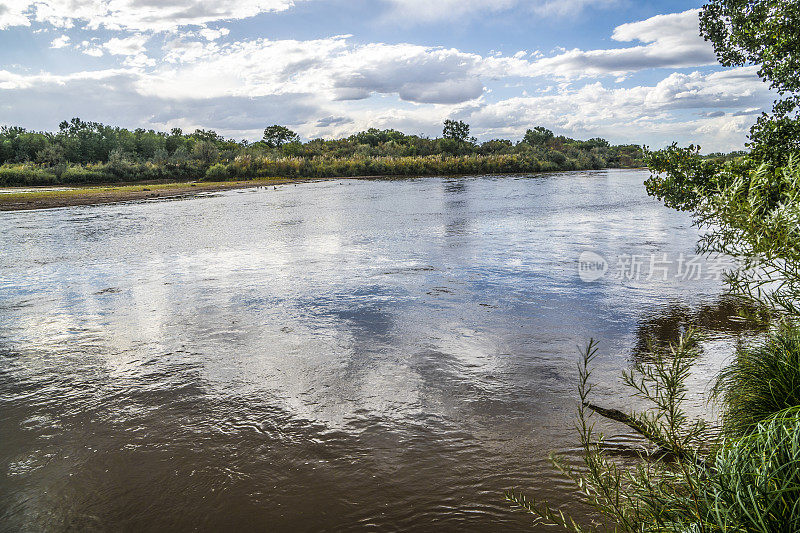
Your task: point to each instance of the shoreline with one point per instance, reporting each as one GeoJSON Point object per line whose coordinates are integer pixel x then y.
{"type": "Point", "coordinates": [32, 198]}
{"type": "Point", "coordinates": [49, 198]}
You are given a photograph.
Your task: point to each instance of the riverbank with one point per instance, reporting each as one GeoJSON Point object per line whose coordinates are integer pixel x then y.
{"type": "Point", "coordinates": [49, 198]}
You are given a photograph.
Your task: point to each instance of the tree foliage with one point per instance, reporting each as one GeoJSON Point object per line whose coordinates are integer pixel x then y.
{"type": "Point", "coordinates": [538, 136]}
{"type": "Point", "coordinates": [758, 32]}
{"type": "Point", "coordinates": [456, 130]}
{"type": "Point", "coordinates": [765, 33]}
{"type": "Point", "coordinates": [91, 151]}
{"type": "Point", "coordinates": [276, 136]}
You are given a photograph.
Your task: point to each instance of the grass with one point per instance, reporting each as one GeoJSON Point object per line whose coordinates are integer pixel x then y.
{"type": "Point", "coordinates": [756, 481]}
{"type": "Point", "coordinates": [763, 380]}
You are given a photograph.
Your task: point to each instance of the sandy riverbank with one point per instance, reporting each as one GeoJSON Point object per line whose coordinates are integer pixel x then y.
{"type": "Point", "coordinates": [51, 197]}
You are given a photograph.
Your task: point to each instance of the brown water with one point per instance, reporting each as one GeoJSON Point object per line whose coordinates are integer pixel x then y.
{"type": "Point", "coordinates": [338, 356]}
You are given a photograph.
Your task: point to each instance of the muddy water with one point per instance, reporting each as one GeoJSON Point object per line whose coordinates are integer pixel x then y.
{"type": "Point", "coordinates": [336, 356]}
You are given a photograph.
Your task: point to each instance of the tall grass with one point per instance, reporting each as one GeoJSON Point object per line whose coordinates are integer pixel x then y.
{"type": "Point", "coordinates": [249, 166]}
{"type": "Point", "coordinates": [755, 484]}
{"type": "Point", "coordinates": [654, 495]}
{"type": "Point", "coordinates": [762, 380]}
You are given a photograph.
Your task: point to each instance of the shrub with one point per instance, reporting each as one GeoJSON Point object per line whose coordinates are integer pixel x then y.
{"type": "Point", "coordinates": [12, 175]}
{"type": "Point", "coordinates": [79, 174]}
{"type": "Point", "coordinates": [218, 172]}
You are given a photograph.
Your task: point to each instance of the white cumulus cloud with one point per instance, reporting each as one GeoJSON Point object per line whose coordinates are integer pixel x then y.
{"type": "Point", "coordinates": [60, 42]}
{"type": "Point", "coordinates": [677, 106]}
{"type": "Point", "coordinates": [332, 66]}
{"type": "Point", "coordinates": [128, 46]}
{"type": "Point", "coordinates": [670, 41]}
{"type": "Point", "coordinates": [134, 15]}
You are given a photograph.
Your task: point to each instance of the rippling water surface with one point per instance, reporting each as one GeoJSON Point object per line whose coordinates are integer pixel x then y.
{"type": "Point", "coordinates": [333, 356]}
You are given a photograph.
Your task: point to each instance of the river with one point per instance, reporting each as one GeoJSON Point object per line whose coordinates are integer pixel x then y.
{"type": "Point", "coordinates": [334, 356]}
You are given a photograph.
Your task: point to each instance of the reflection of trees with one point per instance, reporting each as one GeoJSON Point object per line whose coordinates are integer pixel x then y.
{"type": "Point", "coordinates": [723, 317]}
{"type": "Point", "coordinates": [455, 186]}
{"type": "Point", "coordinates": [456, 207]}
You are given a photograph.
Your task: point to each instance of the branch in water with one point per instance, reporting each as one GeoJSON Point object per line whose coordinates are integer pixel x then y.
{"type": "Point", "coordinates": [638, 427]}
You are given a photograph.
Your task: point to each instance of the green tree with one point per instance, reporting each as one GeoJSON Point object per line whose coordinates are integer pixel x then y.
{"type": "Point", "coordinates": [206, 152]}
{"type": "Point", "coordinates": [456, 130]}
{"type": "Point", "coordinates": [764, 33]}
{"type": "Point", "coordinates": [538, 136]}
{"type": "Point", "coordinates": [276, 136]}
{"type": "Point", "coordinates": [174, 140]}
{"type": "Point", "coordinates": [50, 155]}
{"type": "Point", "coordinates": [29, 144]}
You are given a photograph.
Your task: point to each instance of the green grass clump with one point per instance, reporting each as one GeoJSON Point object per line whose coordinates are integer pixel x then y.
{"type": "Point", "coordinates": [217, 172]}
{"type": "Point", "coordinates": [762, 380]}
{"type": "Point", "coordinates": [755, 484]}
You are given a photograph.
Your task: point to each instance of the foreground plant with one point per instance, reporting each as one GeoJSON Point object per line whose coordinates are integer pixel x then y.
{"type": "Point", "coordinates": [632, 498]}
{"type": "Point", "coordinates": [756, 481]}
{"type": "Point", "coordinates": [693, 480]}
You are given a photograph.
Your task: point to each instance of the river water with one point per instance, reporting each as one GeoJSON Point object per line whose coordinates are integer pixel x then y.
{"type": "Point", "coordinates": [333, 356]}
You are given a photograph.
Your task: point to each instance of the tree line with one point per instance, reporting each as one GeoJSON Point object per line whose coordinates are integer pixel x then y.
{"type": "Point", "coordinates": [91, 152]}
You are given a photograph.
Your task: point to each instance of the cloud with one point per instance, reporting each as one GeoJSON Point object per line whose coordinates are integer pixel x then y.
{"type": "Point", "coordinates": [11, 81]}
{"type": "Point", "coordinates": [60, 42]}
{"type": "Point", "coordinates": [246, 69]}
{"type": "Point", "coordinates": [428, 11]}
{"type": "Point", "coordinates": [332, 66]}
{"type": "Point", "coordinates": [13, 13]}
{"type": "Point", "coordinates": [652, 114]}
{"type": "Point", "coordinates": [132, 48]}
{"type": "Point", "coordinates": [595, 103]}
{"type": "Point", "coordinates": [133, 15]}
{"type": "Point", "coordinates": [195, 65]}
{"type": "Point", "coordinates": [212, 35]}
{"type": "Point", "coordinates": [109, 96]}
{"type": "Point", "coordinates": [90, 48]}
{"type": "Point", "coordinates": [421, 74]}
{"type": "Point", "coordinates": [129, 46]}
{"type": "Point", "coordinates": [416, 73]}
{"type": "Point", "coordinates": [671, 41]}
{"type": "Point", "coordinates": [333, 121]}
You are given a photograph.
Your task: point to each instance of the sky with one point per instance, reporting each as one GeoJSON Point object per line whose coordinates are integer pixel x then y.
{"type": "Point", "coordinates": [630, 71]}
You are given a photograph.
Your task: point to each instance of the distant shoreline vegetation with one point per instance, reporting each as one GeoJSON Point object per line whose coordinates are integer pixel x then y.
{"type": "Point", "coordinates": [93, 153]}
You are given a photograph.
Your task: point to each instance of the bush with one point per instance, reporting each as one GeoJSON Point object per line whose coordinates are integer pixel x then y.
{"type": "Point", "coordinates": [218, 172]}
{"type": "Point", "coordinates": [14, 175]}
{"type": "Point", "coordinates": [79, 174]}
